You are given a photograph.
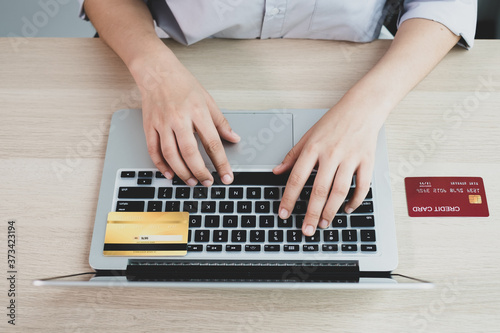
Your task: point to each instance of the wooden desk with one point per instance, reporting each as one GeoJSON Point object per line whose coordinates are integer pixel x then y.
{"type": "Point", "coordinates": [57, 97]}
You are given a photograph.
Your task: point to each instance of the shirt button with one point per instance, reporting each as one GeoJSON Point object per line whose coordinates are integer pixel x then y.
{"type": "Point", "coordinates": [274, 11]}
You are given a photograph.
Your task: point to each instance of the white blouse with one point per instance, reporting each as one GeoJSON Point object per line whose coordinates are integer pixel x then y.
{"type": "Point", "coordinates": [189, 21]}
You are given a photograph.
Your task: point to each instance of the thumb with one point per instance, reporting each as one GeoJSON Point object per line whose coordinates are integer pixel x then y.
{"type": "Point", "coordinates": [222, 125]}
{"type": "Point", "coordinates": [290, 158]}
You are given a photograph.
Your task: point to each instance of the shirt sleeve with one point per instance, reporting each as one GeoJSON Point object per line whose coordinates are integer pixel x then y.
{"type": "Point", "coordinates": [82, 14]}
{"type": "Point", "coordinates": [457, 15]}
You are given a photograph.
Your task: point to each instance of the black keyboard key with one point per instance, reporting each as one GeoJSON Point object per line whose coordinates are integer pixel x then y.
{"type": "Point", "coordinates": [130, 206]}
{"type": "Point", "coordinates": [248, 221]}
{"type": "Point", "coordinates": [276, 207]}
{"type": "Point", "coordinates": [330, 236]}
{"type": "Point", "coordinates": [300, 207]}
{"type": "Point", "coordinates": [351, 193]}
{"type": "Point", "coordinates": [200, 193]}
{"type": "Point", "coordinates": [159, 175]}
{"type": "Point", "coordinates": [287, 223]}
{"type": "Point", "coordinates": [236, 193]}
{"type": "Point", "coordinates": [217, 193]}
{"type": "Point", "coordinates": [310, 248]}
{"type": "Point", "coordinates": [253, 193]}
{"type": "Point", "coordinates": [144, 181]}
{"type": "Point", "coordinates": [362, 221]}
{"type": "Point", "coordinates": [365, 207]}
{"type": "Point", "coordinates": [226, 206]}
{"type": "Point", "coordinates": [275, 236]}
{"type": "Point", "coordinates": [177, 181]}
{"type": "Point", "coordinates": [173, 206]}
{"type": "Point", "coordinates": [339, 222]}
{"type": "Point", "coordinates": [272, 248]}
{"type": "Point", "coordinates": [252, 248]}
{"type": "Point", "coordinates": [368, 248]}
{"type": "Point", "coordinates": [189, 235]}
{"type": "Point", "coordinates": [314, 238]}
{"type": "Point", "coordinates": [164, 192]}
{"type": "Point", "coordinates": [330, 247]}
{"type": "Point", "coordinates": [182, 192]}
{"type": "Point", "coordinates": [194, 221]}
{"type": "Point", "coordinates": [145, 174]}
{"type": "Point", "coordinates": [233, 248]}
{"type": "Point", "coordinates": [291, 248]}
{"type": "Point", "coordinates": [208, 206]}
{"type": "Point", "coordinates": [190, 206]}
{"type": "Point", "coordinates": [266, 221]}
{"type": "Point", "coordinates": [256, 236]}
{"type": "Point", "coordinates": [262, 206]}
{"type": "Point", "coordinates": [271, 193]}
{"type": "Point", "coordinates": [349, 235]}
{"type": "Point", "coordinates": [294, 236]}
{"type": "Point", "coordinates": [220, 236]}
{"type": "Point", "coordinates": [299, 220]}
{"type": "Point", "coordinates": [305, 194]}
{"type": "Point", "coordinates": [136, 192]}
{"type": "Point", "coordinates": [195, 248]}
{"type": "Point", "coordinates": [128, 174]}
{"type": "Point", "coordinates": [214, 248]}
{"type": "Point", "coordinates": [239, 236]}
{"type": "Point", "coordinates": [349, 247]}
{"type": "Point", "coordinates": [244, 206]}
{"type": "Point", "coordinates": [212, 221]}
{"type": "Point", "coordinates": [201, 235]}
{"type": "Point", "coordinates": [368, 235]}
{"type": "Point", "coordinates": [155, 206]}
{"type": "Point", "coordinates": [230, 221]}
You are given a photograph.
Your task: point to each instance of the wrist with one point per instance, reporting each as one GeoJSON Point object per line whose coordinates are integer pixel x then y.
{"type": "Point", "coordinates": [151, 64]}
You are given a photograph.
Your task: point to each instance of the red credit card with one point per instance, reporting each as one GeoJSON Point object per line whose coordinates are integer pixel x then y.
{"type": "Point", "coordinates": [446, 196]}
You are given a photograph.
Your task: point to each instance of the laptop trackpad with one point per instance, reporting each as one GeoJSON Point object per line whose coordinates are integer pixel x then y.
{"type": "Point", "coordinates": [265, 139]}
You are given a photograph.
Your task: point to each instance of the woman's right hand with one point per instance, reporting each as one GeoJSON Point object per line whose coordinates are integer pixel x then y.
{"type": "Point", "coordinates": [174, 107]}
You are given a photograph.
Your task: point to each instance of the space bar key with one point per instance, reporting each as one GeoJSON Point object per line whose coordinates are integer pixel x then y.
{"type": "Point", "coordinates": [259, 178]}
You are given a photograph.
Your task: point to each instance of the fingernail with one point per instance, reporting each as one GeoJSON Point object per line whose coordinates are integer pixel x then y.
{"type": "Point", "coordinates": [207, 183]}
{"type": "Point", "coordinates": [192, 182]}
{"type": "Point", "coordinates": [227, 179]}
{"type": "Point", "coordinates": [283, 213]}
{"type": "Point", "coordinates": [309, 230]}
{"type": "Point", "coordinates": [168, 175]}
{"type": "Point", "coordinates": [235, 135]}
{"type": "Point", "coordinates": [278, 166]}
{"type": "Point", "coordinates": [349, 210]}
{"type": "Point", "coordinates": [323, 224]}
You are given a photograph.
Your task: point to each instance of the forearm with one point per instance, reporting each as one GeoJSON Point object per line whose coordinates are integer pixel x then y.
{"type": "Point", "coordinates": [127, 27]}
{"type": "Point", "coordinates": [417, 48]}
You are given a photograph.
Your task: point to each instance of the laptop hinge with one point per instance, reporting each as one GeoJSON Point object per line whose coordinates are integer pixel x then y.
{"type": "Point", "coordinates": [243, 271]}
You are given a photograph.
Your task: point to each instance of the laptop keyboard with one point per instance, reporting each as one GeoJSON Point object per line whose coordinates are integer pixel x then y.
{"type": "Point", "coordinates": [241, 220]}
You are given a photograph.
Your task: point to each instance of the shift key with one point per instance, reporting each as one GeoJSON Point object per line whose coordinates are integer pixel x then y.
{"type": "Point", "coordinates": [136, 192]}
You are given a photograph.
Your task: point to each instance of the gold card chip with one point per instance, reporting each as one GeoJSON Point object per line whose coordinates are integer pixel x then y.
{"type": "Point", "coordinates": [475, 199]}
{"type": "Point", "coordinates": [146, 234]}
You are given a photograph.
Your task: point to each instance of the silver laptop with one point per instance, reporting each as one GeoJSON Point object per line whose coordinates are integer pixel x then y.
{"type": "Point", "coordinates": [236, 238]}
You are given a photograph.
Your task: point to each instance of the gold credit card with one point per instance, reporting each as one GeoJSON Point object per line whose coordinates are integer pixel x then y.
{"type": "Point", "coordinates": [146, 234]}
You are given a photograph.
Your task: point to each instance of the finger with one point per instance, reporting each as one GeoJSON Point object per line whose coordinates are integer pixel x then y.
{"type": "Point", "coordinates": [173, 157]}
{"type": "Point", "coordinates": [215, 150]}
{"type": "Point", "coordinates": [291, 157]}
{"type": "Point", "coordinates": [188, 147]}
{"type": "Point", "coordinates": [221, 123]}
{"type": "Point", "coordinates": [298, 177]}
{"type": "Point", "coordinates": [154, 150]}
{"type": "Point", "coordinates": [319, 195]}
{"type": "Point", "coordinates": [340, 189]}
{"type": "Point", "coordinates": [363, 179]}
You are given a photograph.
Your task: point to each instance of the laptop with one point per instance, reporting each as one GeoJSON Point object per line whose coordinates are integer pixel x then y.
{"type": "Point", "coordinates": [235, 238]}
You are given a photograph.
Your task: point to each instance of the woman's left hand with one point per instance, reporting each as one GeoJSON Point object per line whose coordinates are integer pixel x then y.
{"type": "Point", "coordinates": [342, 143]}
